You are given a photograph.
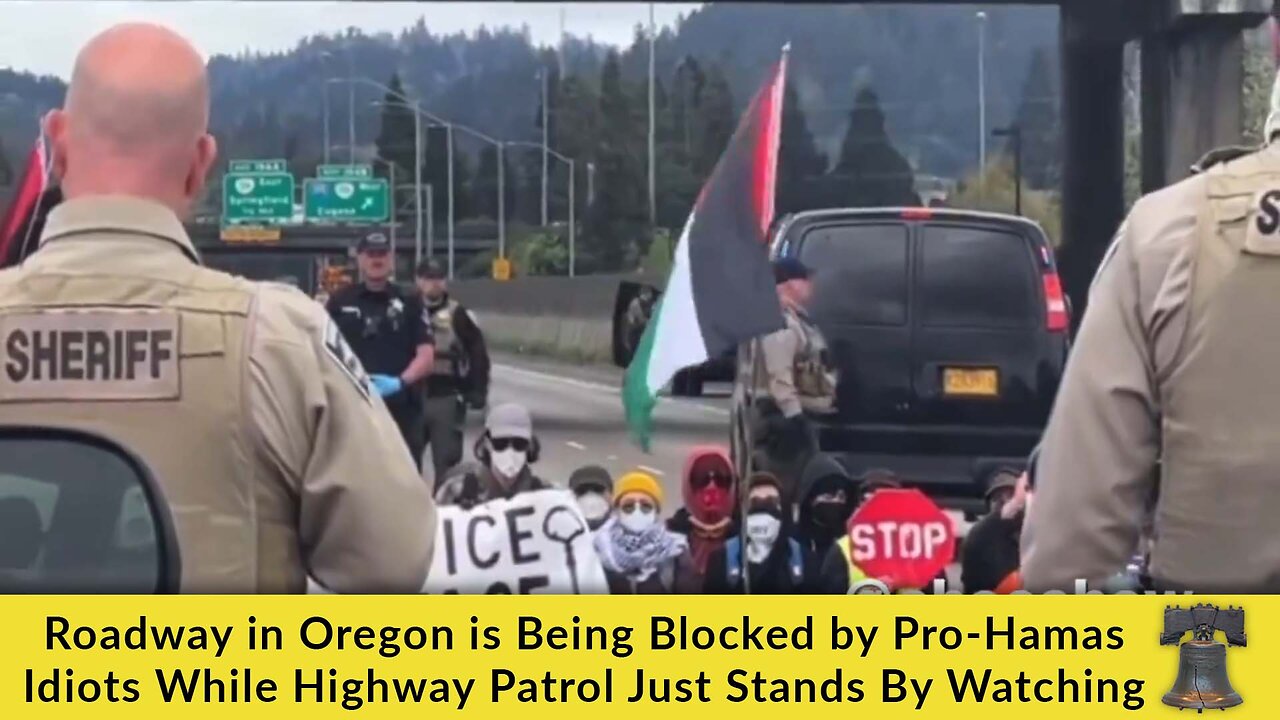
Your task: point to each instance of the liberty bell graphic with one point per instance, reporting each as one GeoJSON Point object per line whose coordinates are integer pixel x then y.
{"type": "Point", "coordinates": [1202, 661]}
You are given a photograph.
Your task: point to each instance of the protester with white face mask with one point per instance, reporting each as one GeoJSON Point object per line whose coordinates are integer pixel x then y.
{"type": "Point", "coordinates": [639, 554]}
{"type": "Point", "coordinates": [763, 558]}
{"type": "Point", "coordinates": [593, 487]}
{"type": "Point", "coordinates": [504, 452]}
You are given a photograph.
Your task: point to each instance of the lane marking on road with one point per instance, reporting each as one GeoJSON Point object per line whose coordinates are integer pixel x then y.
{"type": "Point", "coordinates": [602, 387]}
{"type": "Point", "coordinates": [576, 445]}
{"type": "Point", "coordinates": [651, 471]}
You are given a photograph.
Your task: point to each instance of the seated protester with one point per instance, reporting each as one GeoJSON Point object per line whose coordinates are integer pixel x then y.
{"type": "Point", "coordinates": [774, 560]}
{"type": "Point", "coordinates": [504, 451]}
{"type": "Point", "coordinates": [640, 555]}
{"type": "Point", "coordinates": [827, 496]}
{"type": "Point", "coordinates": [838, 574]}
{"type": "Point", "coordinates": [710, 491]}
{"type": "Point", "coordinates": [593, 487]}
{"type": "Point", "coordinates": [990, 554]}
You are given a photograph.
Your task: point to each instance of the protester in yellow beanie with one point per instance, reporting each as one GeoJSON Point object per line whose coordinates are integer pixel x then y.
{"type": "Point", "coordinates": [639, 554]}
{"type": "Point", "coordinates": [637, 482]}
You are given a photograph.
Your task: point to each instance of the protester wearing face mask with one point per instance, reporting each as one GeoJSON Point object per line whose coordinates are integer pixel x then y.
{"type": "Point", "coordinates": [838, 573]}
{"type": "Point", "coordinates": [640, 555]}
{"type": "Point", "coordinates": [774, 560]}
{"type": "Point", "coordinates": [593, 487]}
{"type": "Point", "coordinates": [505, 451]}
{"type": "Point", "coordinates": [706, 519]}
{"type": "Point", "coordinates": [827, 497]}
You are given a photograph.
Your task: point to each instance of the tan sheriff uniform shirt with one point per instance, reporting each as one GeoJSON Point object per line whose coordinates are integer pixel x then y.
{"type": "Point", "coordinates": [275, 457]}
{"type": "Point", "coordinates": [795, 368]}
{"type": "Point", "coordinates": [1174, 372]}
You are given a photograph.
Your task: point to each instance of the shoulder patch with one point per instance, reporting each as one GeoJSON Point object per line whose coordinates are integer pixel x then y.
{"type": "Point", "coordinates": [341, 353]}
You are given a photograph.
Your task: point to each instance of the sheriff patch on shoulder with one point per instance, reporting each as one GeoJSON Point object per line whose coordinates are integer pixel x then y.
{"type": "Point", "coordinates": [99, 355]}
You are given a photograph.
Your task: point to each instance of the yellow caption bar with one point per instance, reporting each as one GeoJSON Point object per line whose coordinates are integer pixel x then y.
{"type": "Point", "coordinates": [543, 656]}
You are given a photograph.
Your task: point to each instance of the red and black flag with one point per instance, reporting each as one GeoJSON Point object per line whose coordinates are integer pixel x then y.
{"type": "Point", "coordinates": [721, 290]}
{"type": "Point", "coordinates": [23, 220]}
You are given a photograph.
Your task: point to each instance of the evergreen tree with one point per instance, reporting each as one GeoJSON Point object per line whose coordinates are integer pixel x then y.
{"type": "Point", "coordinates": [1038, 120]}
{"type": "Point", "coordinates": [871, 172]}
{"type": "Point", "coordinates": [617, 220]}
{"type": "Point", "coordinates": [800, 164]}
{"type": "Point", "coordinates": [686, 94]}
{"type": "Point", "coordinates": [716, 121]}
{"type": "Point", "coordinates": [486, 184]}
{"type": "Point", "coordinates": [396, 143]}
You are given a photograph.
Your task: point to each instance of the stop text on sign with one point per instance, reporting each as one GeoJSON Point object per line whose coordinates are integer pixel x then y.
{"type": "Point", "coordinates": [893, 540]}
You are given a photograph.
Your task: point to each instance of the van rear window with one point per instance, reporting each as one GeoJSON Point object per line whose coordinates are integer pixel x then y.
{"type": "Point", "coordinates": [860, 272]}
{"type": "Point", "coordinates": [975, 277]}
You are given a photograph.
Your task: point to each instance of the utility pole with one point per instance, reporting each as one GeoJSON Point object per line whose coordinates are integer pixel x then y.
{"type": "Point", "coordinates": [1014, 133]}
{"type": "Point", "coordinates": [545, 137]}
{"type": "Point", "coordinates": [351, 107]}
{"type": "Point", "coordinates": [653, 193]}
{"type": "Point", "coordinates": [448, 136]}
{"type": "Point", "coordinates": [502, 202]}
{"type": "Point", "coordinates": [573, 222]}
{"type": "Point", "coordinates": [982, 97]}
{"type": "Point", "coordinates": [325, 106]}
{"type": "Point", "coordinates": [417, 182]}
{"type": "Point", "coordinates": [431, 229]}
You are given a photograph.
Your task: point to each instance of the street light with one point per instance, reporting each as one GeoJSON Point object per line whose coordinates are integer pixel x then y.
{"type": "Point", "coordinates": [573, 236]}
{"type": "Point", "coordinates": [448, 126]}
{"type": "Point", "coordinates": [1014, 133]}
{"type": "Point", "coordinates": [502, 187]}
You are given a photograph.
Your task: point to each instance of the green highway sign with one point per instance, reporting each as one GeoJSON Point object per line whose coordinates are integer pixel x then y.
{"type": "Point", "coordinates": [345, 171]}
{"type": "Point", "coordinates": [261, 167]}
{"type": "Point", "coordinates": [257, 197]}
{"type": "Point", "coordinates": [345, 199]}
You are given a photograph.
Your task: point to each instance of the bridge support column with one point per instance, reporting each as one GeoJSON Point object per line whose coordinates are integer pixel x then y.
{"type": "Point", "coordinates": [1192, 92]}
{"type": "Point", "coordinates": [1093, 146]}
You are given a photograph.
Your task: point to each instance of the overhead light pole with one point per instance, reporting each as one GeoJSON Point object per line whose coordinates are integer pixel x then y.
{"type": "Point", "coordinates": [573, 218]}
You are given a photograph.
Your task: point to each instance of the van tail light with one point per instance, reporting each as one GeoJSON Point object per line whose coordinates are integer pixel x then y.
{"type": "Point", "coordinates": [1055, 303]}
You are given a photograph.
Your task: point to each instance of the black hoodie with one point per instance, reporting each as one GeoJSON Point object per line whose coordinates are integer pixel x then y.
{"type": "Point", "coordinates": [816, 539]}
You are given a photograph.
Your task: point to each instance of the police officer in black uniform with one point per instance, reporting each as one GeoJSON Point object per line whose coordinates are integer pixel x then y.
{"type": "Point", "coordinates": [390, 332]}
{"type": "Point", "coordinates": [460, 376]}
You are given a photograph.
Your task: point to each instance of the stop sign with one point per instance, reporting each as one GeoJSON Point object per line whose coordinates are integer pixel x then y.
{"type": "Point", "coordinates": [901, 537]}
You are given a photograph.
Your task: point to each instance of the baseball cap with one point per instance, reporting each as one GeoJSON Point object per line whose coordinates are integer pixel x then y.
{"type": "Point", "coordinates": [431, 269]}
{"type": "Point", "coordinates": [509, 421]}
{"type": "Point", "coordinates": [789, 268]}
{"type": "Point", "coordinates": [591, 477]}
{"type": "Point", "coordinates": [1004, 478]}
{"type": "Point", "coordinates": [374, 241]}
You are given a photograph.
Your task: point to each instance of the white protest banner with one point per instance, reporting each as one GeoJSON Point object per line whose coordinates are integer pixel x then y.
{"type": "Point", "coordinates": [536, 542]}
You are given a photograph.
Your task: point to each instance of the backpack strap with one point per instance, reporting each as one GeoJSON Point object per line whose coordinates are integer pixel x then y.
{"type": "Point", "coordinates": [733, 560]}
{"type": "Point", "coordinates": [796, 561]}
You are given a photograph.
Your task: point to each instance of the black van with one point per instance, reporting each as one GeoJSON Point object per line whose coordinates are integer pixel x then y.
{"type": "Point", "coordinates": [950, 331]}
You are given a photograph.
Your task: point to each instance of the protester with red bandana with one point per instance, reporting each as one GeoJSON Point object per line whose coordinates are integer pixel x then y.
{"type": "Point", "coordinates": [709, 495]}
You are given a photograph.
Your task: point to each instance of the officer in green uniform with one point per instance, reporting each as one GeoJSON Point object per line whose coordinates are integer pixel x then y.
{"type": "Point", "coordinates": [460, 376]}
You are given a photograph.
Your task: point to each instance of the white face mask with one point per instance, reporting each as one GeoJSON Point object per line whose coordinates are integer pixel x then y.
{"type": "Point", "coordinates": [762, 532]}
{"type": "Point", "coordinates": [508, 463]}
{"type": "Point", "coordinates": [594, 506]}
{"type": "Point", "coordinates": [637, 521]}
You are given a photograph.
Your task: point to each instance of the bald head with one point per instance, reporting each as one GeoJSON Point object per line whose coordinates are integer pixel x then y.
{"type": "Point", "coordinates": [136, 118]}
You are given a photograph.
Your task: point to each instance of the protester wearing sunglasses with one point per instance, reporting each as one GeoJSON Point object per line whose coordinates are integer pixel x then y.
{"type": "Point", "coordinates": [706, 520]}
{"type": "Point", "coordinates": [504, 453]}
{"type": "Point", "coordinates": [640, 555]}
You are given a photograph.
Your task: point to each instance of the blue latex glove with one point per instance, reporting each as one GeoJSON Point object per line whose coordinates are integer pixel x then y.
{"type": "Point", "coordinates": [386, 385]}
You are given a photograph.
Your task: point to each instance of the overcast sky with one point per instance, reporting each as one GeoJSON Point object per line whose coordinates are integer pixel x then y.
{"type": "Point", "coordinates": [43, 36]}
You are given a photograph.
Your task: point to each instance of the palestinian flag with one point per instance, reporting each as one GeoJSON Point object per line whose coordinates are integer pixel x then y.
{"type": "Point", "coordinates": [22, 222]}
{"type": "Point", "coordinates": [721, 291]}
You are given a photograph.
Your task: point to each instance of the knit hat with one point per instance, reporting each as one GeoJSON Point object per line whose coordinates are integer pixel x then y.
{"type": "Point", "coordinates": [641, 482]}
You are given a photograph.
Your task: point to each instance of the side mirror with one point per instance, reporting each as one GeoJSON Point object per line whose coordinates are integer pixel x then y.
{"type": "Point", "coordinates": [80, 514]}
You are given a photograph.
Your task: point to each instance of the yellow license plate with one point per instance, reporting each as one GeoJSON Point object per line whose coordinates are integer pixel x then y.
{"type": "Point", "coordinates": [963, 381]}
